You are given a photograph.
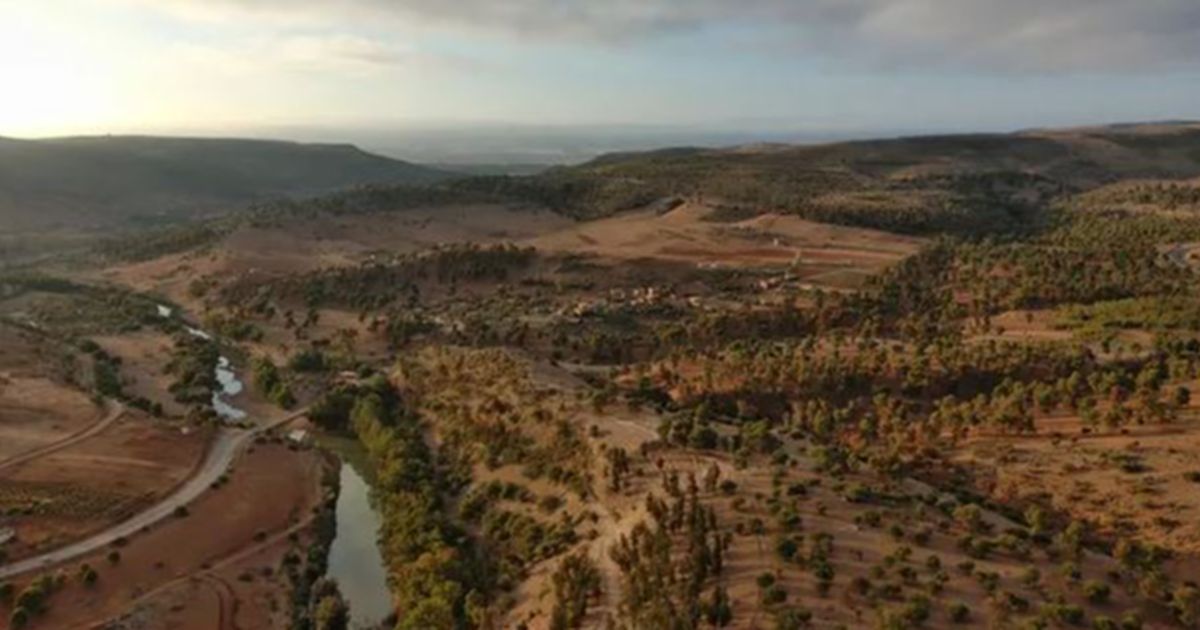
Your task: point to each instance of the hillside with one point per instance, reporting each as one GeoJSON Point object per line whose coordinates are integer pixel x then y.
{"type": "Point", "coordinates": [960, 183]}
{"type": "Point", "coordinates": [90, 182]}
{"type": "Point", "coordinates": [701, 412]}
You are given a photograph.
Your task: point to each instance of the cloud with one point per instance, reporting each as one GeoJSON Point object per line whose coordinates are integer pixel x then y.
{"type": "Point", "coordinates": [343, 55]}
{"type": "Point", "coordinates": [1003, 35]}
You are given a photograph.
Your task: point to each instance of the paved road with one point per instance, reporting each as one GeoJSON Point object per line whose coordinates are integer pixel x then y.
{"type": "Point", "coordinates": [225, 448]}
{"type": "Point", "coordinates": [95, 428]}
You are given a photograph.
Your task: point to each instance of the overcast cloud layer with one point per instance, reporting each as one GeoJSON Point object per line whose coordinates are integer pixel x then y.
{"type": "Point", "coordinates": [1001, 35]}
{"type": "Point", "coordinates": [228, 66]}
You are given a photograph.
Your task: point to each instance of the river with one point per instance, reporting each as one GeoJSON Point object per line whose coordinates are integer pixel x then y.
{"type": "Point", "coordinates": [354, 558]}
{"type": "Point", "coordinates": [230, 384]}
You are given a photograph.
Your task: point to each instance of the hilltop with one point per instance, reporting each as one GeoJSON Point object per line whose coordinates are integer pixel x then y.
{"type": "Point", "coordinates": [973, 183]}
{"type": "Point", "coordinates": [103, 181]}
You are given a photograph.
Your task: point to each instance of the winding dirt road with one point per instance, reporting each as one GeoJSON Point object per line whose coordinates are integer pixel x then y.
{"type": "Point", "coordinates": [228, 444]}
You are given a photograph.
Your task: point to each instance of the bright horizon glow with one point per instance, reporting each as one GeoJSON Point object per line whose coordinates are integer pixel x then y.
{"type": "Point", "coordinates": [211, 67]}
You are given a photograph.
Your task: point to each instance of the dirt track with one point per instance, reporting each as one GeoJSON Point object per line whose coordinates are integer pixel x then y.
{"type": "Point", "coordinates": [94, 429]}
{"type": "Point", "coordinates": [225, 448]}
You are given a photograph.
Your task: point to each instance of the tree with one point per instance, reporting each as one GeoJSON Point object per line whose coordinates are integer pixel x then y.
{"type": "Point", "coordinates": [1071, 539]}
{"type": "Point", "coordinates": [1096, 592]}
{"type": "Point", "coordinates": [331, 613]}
{"type": "Point", "coordinates": [720, 612]}
{"type": "Point", "coordinates": [88, 575]}
{"type": "Point", "coordinates": [969, 516]}
{"type": "Point", "coordinates": [1185, 602]}
{"type": "Point", "coordinates": [574, 582]}
{"type": "Point", "coordinates": [1183, 396]}
{"type": "Point", "coordinates": [1035, 518]}
{"type": "Point", "coordinates": [792, 619]}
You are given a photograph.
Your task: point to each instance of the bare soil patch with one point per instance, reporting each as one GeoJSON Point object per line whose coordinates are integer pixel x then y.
{"type": "Point", "coordinates": [63, 496]}
{"type": "Point", "coordinates": [683, 235]}
{"type": "Point", "coordinates": [271, 490]}
{"type": "Point", "coordinates": [37, 411]}
{"type": "Point", "coordinates": [1133, 482]}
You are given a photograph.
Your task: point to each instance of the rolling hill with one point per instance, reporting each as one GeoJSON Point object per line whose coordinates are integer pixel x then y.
{"type": "Point", "coordinates": [973, 183]}
{"type": "Point", "coordinates": [95, 182]}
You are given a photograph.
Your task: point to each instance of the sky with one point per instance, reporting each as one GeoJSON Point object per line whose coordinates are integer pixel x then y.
{"type": "Point", "coordinates": [230, 66]}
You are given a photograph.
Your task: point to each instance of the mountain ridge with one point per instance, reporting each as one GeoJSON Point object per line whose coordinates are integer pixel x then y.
{"type": "Point", "coordinates": [87, 182]}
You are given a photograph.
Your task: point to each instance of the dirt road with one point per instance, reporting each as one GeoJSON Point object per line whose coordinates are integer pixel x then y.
{"type": "Point", "coordinates": [227, 445]}
{"type": "Point", "coordinates": [91, 430]}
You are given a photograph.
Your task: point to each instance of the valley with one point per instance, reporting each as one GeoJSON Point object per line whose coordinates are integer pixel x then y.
{"type": "Point", "coordinates": [925, 382]}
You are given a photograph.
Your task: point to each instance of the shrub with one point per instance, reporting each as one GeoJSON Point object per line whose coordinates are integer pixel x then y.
{"type": "Point", "coordinates": [1066, 613]}
{"type": "Point", "coordinates": [19, 618]}
{"type": "Point", "coordinates": [1097, 592]}
{"type": "Point", "coordinates": [916, 611]}
{"type": "Point", "coordinates": [774, 595]}
{"type": "Point", "coordinates": [765, 580]}
{"type": "Point", "coordinates": [88, 575]}
{"type": "Point", "coordinates": [793, 618]}
{"type": "Point", "coordinates": [1031, 577]}
{"type": "Point", "coordinates": [960, 613]}
{"type": "Point", "coordinates": [550, 503]}
{"type": "Point", "coordinates": [787, 548]}
{"type": "Point", "coordinates": [308, 360]}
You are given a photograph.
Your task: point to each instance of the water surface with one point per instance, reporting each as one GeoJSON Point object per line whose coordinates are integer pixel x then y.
{"type": "Point", "coordinates": [354, 558]}
{"type": "Point", "coordinates": [230, 384]}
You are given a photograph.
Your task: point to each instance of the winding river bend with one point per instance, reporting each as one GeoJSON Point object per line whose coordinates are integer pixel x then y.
{"type": "Point", "coordinates": [354, 557]}
{"type": "Point", "coordinates": [230, 384]}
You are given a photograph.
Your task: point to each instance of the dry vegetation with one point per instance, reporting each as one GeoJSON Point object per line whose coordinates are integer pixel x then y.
{"type": "Point", "coordinates": [940, 382]}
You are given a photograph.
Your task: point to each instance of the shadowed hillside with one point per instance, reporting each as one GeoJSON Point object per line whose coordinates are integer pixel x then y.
{"type": "Point", "coordinates": [967, 183]}
{"type": "Point", "coordinates": [87, 182]}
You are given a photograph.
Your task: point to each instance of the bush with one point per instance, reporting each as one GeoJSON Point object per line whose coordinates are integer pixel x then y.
{"type": "Point", "coordinates": [793, 618]}
{"type": "Point", "coordinates": [1097, 592]}
{"type": "Point", "coordinates": [88, 575]}
{"type": "Point", "coordinates": [1131, 621]}
{"type": "Point", "coordinates": [309, 360]}
{"type": "Point", "coordinates": [550, 503]}
{"type": "Point", "coordinates": [1068, 614]}
{"type": "Point", "coordinates": [765, 580]}
{"type": "Point", "coordinates": [787, 548]}
{"type": "Point", "coordinates": [19, 618]}
{"type": "Point", "coordinates": [960, 613]}
{"type": "Point", "coordinates": [774, 595]}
